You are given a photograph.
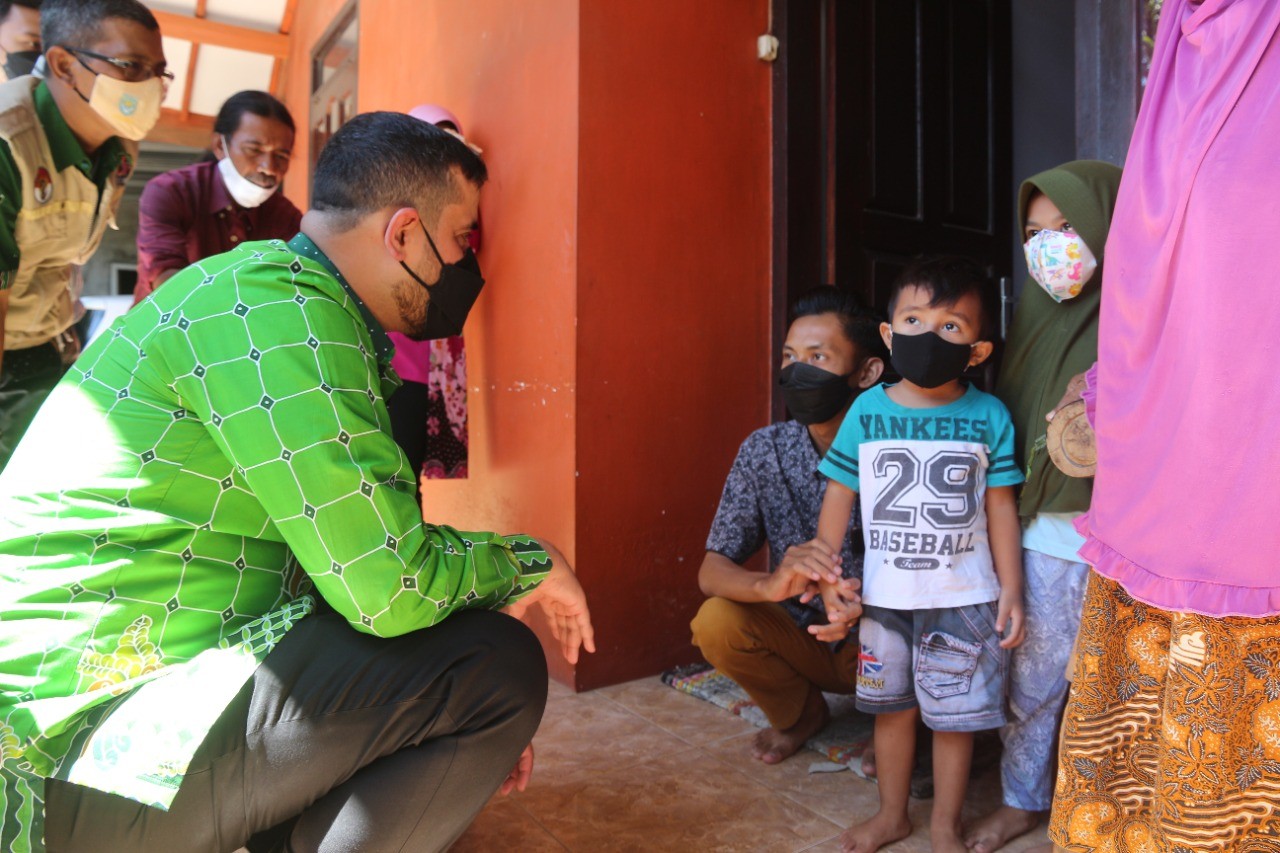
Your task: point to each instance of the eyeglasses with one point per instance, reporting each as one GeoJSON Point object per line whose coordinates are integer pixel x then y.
{"type": "Point", "coordinates": [132, 72]}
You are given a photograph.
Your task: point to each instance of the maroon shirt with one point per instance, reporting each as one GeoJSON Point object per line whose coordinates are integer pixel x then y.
{"type": "Point", "coordinates": [187, 215]}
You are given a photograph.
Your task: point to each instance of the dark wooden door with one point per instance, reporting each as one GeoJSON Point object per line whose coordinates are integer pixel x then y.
{"type": "Point", "coordinates": [893, 124]}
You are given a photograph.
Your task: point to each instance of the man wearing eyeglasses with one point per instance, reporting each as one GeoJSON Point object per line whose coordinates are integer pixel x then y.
{"type": "Point", "coordinates": [68, 144]}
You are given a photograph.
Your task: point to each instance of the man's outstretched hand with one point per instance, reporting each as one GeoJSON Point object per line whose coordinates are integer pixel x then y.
{"type": "Point", "coordinates": [520, 775]}
{"type": "Point", "coordinates": [565, 604]}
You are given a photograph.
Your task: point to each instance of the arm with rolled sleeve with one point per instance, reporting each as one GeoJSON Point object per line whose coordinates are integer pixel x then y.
{"type": "Point", "coordinates": [165, 217]}
{"type": "Point", "coordinates": [737, 532]}
{"type": "Point", "coordinates": [315, 454]}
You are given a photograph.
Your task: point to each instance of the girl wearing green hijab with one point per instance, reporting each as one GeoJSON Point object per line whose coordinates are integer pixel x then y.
{"type": "Point", "coordinates": [1064, 214]}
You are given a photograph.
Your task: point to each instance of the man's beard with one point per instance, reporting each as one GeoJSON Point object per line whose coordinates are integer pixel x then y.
{"type": "Point", "coordinates": [412, 303]}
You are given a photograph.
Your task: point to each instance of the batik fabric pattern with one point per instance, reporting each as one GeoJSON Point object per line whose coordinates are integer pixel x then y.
{"type": "Point", "coordinates": [447, 442]}
{"type": "Point", "coordinates": [221, 451]}
{"type": "Point", "coordinates": [1171, 740]}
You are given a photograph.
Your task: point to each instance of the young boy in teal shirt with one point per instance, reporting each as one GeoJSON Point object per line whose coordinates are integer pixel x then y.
{"type": "Point", "coordinates": [941, 600]}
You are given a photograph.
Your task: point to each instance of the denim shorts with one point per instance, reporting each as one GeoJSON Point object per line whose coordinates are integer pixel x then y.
{"type": "Point", "coordinates": [948, 662]}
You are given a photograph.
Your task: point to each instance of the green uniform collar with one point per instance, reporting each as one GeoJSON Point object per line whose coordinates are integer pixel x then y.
{"type": "Point", "coordinates": [66, 148]}
{"type": "Point", "coordinates": [382, 345]}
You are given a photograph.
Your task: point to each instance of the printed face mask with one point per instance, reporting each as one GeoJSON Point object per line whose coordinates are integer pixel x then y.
{"type": "Point", "coordinates": [451, 296]}
{"type": "Point", "coordinates": [1060, 262]}
{"type": "Point", "coordinates": [813, 395]}
{"type": "Point", "coordinates": [131, 109]}
{"type": "Point", "coordinates": [244, 191]}
{"type": "Point", "coordinates": [927, 360]}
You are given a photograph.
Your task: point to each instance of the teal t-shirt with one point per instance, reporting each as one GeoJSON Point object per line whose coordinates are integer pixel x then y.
{"type": "Point", "coordinates": [922, 477]}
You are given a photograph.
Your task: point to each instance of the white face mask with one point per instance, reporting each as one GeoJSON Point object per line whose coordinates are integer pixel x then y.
{"type": "Point", "coordinates": [131, 109]}
{"type": "Point", "coordinates": [1060, 262]}
{"type": "Point", "coordinates": [244, 191]}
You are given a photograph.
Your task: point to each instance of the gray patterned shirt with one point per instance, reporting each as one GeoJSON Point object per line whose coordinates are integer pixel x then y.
{"type": "Point", "coordinates": [772, 496]}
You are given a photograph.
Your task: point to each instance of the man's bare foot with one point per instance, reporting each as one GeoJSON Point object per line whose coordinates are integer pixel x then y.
{"type": "Point", "coordinates": [772, 746]}
{"type": "Point", "coordinates": [869, 761]}
{"type": "Point", "coordinates": [873, 834]}
{"type": "Point", "coordinates": [999, 828]}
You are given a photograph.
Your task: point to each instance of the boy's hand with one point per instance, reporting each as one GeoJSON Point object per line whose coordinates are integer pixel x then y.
{"type": "Point", "coordinates": [843, 605]}
{"type": "Point", "coordinates": [1009, 612]}
{"type": "Point", "coordinates": [802, 566]}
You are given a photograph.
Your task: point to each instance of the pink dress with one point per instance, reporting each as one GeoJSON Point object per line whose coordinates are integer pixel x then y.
{"type": "Point", "coordinates": [1186, 503]}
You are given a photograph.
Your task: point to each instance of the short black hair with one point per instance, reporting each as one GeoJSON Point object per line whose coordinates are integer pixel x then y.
{"type": "Point", "coordinates": [78, 23]}
{"type": "Point", "coordinates": [6, 5]}
{"type": "Point", "coordinates": [258, 103]}
{"type": "Point", "coordinates": [384, 159]}
{"type": "Point", "coordinates": [949, 278]}
{"type": "Point", "coordinates": [861, 326]}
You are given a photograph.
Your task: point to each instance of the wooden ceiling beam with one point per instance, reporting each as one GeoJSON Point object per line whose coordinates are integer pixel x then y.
{"type": "Point", "coordinates": [193, 60]}
{"type": "Point", "coordinates": [278, 67]}
{"type": "Point", "coordinates": [204, 31]}
{"type": "Point", "coordinates": [189, 84]}
{"type": "Point", "coordinates": [290, 11]}
{"type": "Point", "coordinates": [192, 130]}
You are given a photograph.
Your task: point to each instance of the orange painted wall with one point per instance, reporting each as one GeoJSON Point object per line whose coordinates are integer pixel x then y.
{"type": "Point", "coordinates": [673, 305]}
{"type": "Point", "coordinates": [619, 353]}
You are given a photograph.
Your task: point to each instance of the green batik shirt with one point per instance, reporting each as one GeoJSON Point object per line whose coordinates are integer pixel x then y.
{"type": "Point", "coordinates": [217, 455]}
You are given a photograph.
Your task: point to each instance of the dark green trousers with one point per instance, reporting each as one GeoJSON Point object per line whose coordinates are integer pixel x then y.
{"type": "Point", "coordinates": [26, 378]}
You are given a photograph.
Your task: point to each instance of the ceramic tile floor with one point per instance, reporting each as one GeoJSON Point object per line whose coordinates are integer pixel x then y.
{"type": "Point", "coordinates": [641, 767]}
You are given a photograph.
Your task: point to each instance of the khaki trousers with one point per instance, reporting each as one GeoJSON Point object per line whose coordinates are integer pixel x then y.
{"type": "Point", "coordinates": [759, 646]}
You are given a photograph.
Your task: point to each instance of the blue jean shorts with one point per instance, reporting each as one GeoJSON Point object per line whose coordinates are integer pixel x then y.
{"type": "Point", "coordinates": [948, 662]}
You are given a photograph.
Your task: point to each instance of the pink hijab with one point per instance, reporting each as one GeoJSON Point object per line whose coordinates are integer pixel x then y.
{"type": "Point", "coordinates": [1187, 494]}
{"type": "Point", "coordinates": [435, 114]}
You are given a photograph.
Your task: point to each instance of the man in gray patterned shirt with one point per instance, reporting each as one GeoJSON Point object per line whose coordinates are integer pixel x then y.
{"type": "Point", "coordinates": [769, 631]}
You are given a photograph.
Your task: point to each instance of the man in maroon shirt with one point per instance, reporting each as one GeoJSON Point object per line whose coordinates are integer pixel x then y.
{"type": "Point", "coordinates": [211, 207]}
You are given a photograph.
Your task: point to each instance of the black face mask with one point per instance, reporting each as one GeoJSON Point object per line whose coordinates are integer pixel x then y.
{"type": "Point", "coordinates": [927, 360]}
{"type": "Point", "coordinates": [20, 62]}
{"type": "Point", "coordinates": [813, 395]}
{"type": "Point", "coordinates": [452, 296]}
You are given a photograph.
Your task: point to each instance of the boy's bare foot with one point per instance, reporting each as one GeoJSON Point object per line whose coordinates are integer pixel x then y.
{"type": "Point", "coordinates": [999, 828]}
{"type": "Point", "coordinates": [772, 746]}
{"type": "Point", "coordinates": [873, 834]}
{"type": "Point", "coordinates": [946, 839]}
{"type": "Point", "coordinates": [869, 761]}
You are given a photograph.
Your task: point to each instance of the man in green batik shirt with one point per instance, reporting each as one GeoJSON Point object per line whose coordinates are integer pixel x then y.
{"type": "Point", "coordinates": [222, 620]}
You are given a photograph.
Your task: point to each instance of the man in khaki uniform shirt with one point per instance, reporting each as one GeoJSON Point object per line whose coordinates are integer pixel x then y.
{"type": "Point", "coordinates": [67, 147]}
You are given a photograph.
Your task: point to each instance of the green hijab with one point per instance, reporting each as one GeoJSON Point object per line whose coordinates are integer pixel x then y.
{"type": "Point", "coordinates": [1051, 342]}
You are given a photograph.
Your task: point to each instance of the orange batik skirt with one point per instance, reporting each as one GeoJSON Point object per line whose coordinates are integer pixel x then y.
{"type": "Point", "coordinates": [1171, 739]}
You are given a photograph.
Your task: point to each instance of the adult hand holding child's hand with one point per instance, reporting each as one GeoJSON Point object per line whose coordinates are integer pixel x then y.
{"type": "Point", "coordinates": [803, 566]}
{"type": "Point", "coordinates": [843, 605]}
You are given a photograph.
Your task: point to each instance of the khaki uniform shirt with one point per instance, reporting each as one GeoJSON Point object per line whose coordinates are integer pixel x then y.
{"type": "Point", "coordinates": [55, 204]}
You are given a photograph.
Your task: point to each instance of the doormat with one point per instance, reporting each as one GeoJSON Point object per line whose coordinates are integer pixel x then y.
{"type": "Point", "coordinates": [844, 739]}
